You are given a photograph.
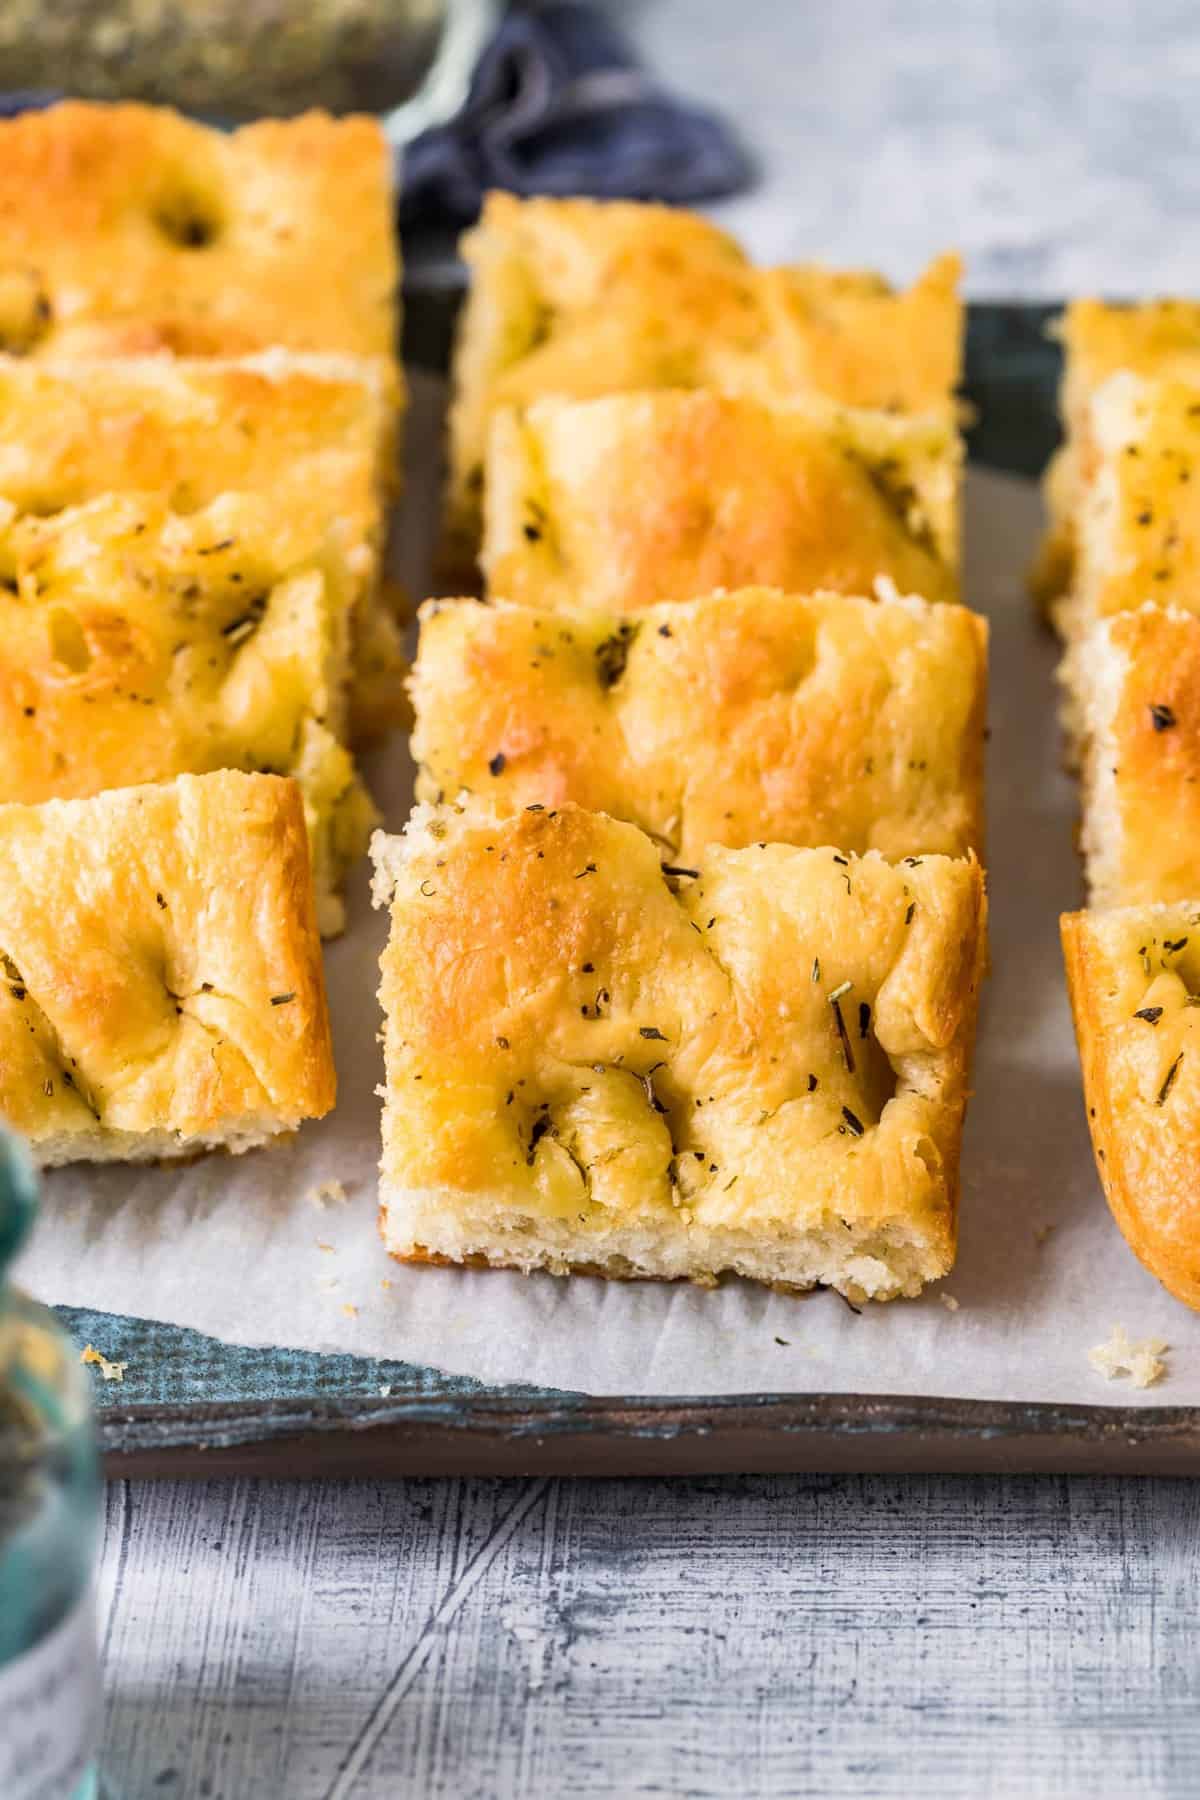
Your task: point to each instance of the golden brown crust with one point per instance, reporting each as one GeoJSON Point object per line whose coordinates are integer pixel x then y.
{"type": "Point", "coordinates": [848, 334]}
{"type": "Point", "coordinates": [635, 498]}
{"type": "Point", "coordinates": [1139, 680]}
{"type": "Point", "coordinates": [574, 1040]}
{"type": "Point", "coordinates": [312, 438]}
{"type": "Point", "coordinates": [161, 968]}
{"type": "Point", "coordinates": [1100, 338]}
{"type": "Point", "coordinates": [580, 298]}
{"type": "Point", "coordinates": [137, 644]}
{"type": "Point", "coordinates": [745, 716]}
{"type": "Point", "coordinates": [1138, 516]}
{"type": "Point", "coordinates": [128, 229]}
{"type": "Point", "coordinates": [315, 432]}
{"type": "Point", "coordinates": [1134, 979]}
{"type": "Point", "coordinates": [1159, 339]}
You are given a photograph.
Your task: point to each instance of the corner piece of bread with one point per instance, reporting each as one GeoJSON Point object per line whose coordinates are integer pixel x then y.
{"type": "Point", "coordinates": [597, 1064]}
{"type": "Point", "coordinates": [635, 498]}
{"type": "Point", "coordinates": [1134, 979]}
{"type": "Point", "coordinates": [1135, 699]}
{"type": "Point", "coordinates": [161, 988]}
{"type": "Point", "coordinates": [802, 719]}
{"type": "Point", "coordinates": [129, 229]}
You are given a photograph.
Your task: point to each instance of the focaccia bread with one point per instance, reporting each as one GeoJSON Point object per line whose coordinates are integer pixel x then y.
{"type": "Point", "coordinates": [634, 498]}
{"type": "Point", "coordinates": [579, 298]}
{"type": "Point", "coordinates": [161, 990]}
{"type": "Point", "coordinates": [815, 719]}
{"type": "Point", "coordinates": [315, 436]}
{"type": "Point", "coordinates": [1134, 978]}
{"type": "Point", "coordinates": [1138, 517]}
{"type": "Point", "coordinates": [594, 1064]}
{"type": "Point", "coordinates": [138, 643]}
{"type": "Point", "coordinates": [1136, 697]}
{"type": "Point", "coordinates": [126, 229]}
{"type": "Point", "coordinates": [1159, 339]}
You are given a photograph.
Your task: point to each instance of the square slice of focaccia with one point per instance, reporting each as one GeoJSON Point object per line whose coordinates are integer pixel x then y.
{"type": "Point", "coordinates": [621, 502]}
{"type": "Point", "coordinates": [137, 644]}
{"type": "Point", "coordinates": [578, 298]}
{"type": "Point", "coordinates": [799, 719]}
{"type": "Point", "coordinates": [1134, 979]}
{"type": "Point", "coordinates": [161, 990]}
{"type": "Point", "coordinates": [1158, 339]}
{"type": "Point", "coordinates": [126, 229]}
{"type": "Point", "coordinates": [313, 436]}
{"type": "Point", "coordinates": [595, 1064]}
{"type": "Point", "coordinates": [1136, 697]}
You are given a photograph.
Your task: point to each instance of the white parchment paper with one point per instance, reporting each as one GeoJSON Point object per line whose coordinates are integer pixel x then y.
{"type": "Point", "coordinates": [242, 1248]}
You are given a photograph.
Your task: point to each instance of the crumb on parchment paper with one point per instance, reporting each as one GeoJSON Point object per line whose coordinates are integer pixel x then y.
{"type": "Point", "coordinates": [1120, 1356]}
{"type": "Point", "coordinates": [111, 1371]}
{"type": "Point", "coordinates": [327, 1193]}
{"type": "Point", "coordinates": [949, 1302]}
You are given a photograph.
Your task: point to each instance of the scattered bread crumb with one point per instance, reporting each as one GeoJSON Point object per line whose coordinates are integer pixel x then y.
{"type": "Point", "coordinates": [1120, 1356]}
{"type": "Point", "coordinates": [111, 1371]}
{"type": "Point", "coordinates": [1041, 1234]}
{"type": "Point", "coordinates": [327, 1248]}
{"type": "Point", "coordinates": [949, 1302]}
{"type": "Point", "coordinates": [351, 1312]}
{"type": "Point", "coordinates": [327, 1193]}
{"type": "Point", "coordinates": [385, 1283]}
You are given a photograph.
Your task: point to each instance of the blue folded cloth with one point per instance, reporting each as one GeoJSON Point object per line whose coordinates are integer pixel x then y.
{"type": "Point", "coordinates": [558, 105]}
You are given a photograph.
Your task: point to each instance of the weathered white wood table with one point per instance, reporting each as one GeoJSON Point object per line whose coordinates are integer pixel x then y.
{"type": "Point", "coordinates": [782, 1636]}
{"type": "Point", "coordinates": [772, 1636]}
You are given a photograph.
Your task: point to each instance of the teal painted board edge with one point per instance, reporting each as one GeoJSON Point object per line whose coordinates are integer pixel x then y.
{"type": "Point", "coordinates": [169, 1365]}
{"type": "Point", "coordinates": [193, 1388]}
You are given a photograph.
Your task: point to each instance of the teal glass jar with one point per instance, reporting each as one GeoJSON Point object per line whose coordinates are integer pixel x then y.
{"type": "Point", "coordinates": [49, 1519]}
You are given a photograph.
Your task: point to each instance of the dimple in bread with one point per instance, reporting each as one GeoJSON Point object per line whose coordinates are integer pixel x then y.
{"type": "Point", "coordinates": [313, 436]}
{"type": "Point", "coordinates": [161, 989]}
{"type": "Point", "coordinates": [1136, 698]}
{"type": "Point", "coordinates": [137, 644]}
{"type": "Point", "coordinates": [803, 719]}
{"type": "Point", "coordinates": [1134, 979]}
{"type": "Point", "coordinates": [127, 229]}
{"type": "Point", "coordinates": [592, 1064]}
{"type": "Point", "coordinates": [578, 298]}
{"type": "Point", "coordinates": [620, 502]}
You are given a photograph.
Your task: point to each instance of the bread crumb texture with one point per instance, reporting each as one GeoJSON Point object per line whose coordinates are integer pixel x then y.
{"type": "Point", "coordinates": [1119, 1356]}
{"type": "Point", "coordinates": [111, 1371]}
